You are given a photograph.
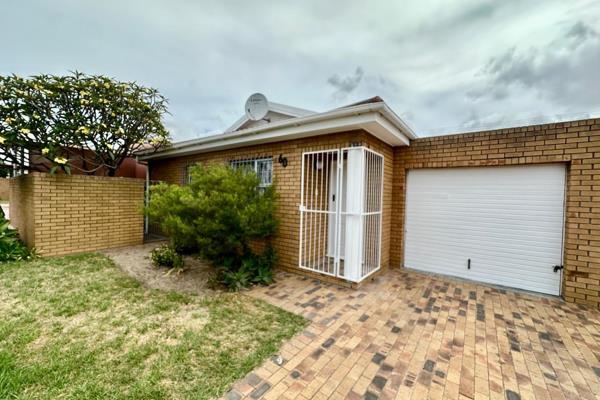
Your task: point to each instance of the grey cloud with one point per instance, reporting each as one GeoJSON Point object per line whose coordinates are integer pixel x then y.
{"type": "Point", "coordinates": [421, 57]}
{"type": "Point", "coordinates": [581, 31]}
{"type": "Point", "coordinates": [557, 71]}
{"type": "Point", "coordinates": [447, 19]}
{"type": "Point", "coordinates": [514, 68]}
{"type": "Point", "coordinates": [345, 85]}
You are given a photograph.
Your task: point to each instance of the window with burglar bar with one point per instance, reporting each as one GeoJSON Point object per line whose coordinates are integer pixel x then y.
{"type": "Point", "coordinates": [263, 167]}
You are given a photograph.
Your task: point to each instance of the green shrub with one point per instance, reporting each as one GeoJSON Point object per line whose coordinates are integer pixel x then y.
{"type": "Point", "coordinates": [219, 213]}
{"type": "Point", "coordinates": [11, 247]}
{"type": "Point", "coordinates": [166, 256]}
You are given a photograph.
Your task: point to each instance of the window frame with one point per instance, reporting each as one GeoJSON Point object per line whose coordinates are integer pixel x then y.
{"type": "Point", "coordinates": [236, 163]}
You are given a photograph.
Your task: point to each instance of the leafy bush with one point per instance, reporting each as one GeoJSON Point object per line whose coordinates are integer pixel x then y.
{"type": "Point", "coordinates": [220, 213]}
{"type": "Point", "coordinates": [11, 247]}
{"type": "Point", "coordinates": [166, 256]}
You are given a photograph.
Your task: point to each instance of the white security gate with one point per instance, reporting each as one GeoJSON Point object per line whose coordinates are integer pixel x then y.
{"type": "Point", "coordinates": [340, 212]}
{"type": "Point", "coordinates": [500, 225]}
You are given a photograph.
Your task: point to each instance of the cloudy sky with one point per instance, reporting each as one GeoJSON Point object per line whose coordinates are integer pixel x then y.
{"type": "Point", "coordinates": [442, 66]}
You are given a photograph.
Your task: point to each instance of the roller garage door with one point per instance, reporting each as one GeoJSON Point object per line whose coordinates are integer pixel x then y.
{"type": "Point", "coordinates": [499, 225]}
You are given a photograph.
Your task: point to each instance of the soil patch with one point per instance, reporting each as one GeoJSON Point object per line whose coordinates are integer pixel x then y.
{"type": "Point", "coordinates": [135, 261]}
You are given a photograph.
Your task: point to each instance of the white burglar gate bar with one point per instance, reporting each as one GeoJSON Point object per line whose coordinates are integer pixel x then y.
{"type": "Point", "coordinates": [340, 212]}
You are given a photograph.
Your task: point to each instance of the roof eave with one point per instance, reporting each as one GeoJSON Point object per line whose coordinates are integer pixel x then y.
{"type": "Point", "coordinates": [376, 118]}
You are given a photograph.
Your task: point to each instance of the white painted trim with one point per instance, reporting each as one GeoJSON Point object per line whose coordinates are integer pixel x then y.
{"type": "Point", "coordinates": [294, 112]}
{"type": "Point", "coordinates": [289, 110]}
{"type": "Point", "coordinates": [375, 118]}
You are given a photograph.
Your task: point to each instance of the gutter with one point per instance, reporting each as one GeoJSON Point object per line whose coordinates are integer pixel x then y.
{"type": "Point", "coordinates": [379, 107]}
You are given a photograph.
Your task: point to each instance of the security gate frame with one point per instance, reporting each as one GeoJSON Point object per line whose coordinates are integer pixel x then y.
{"type": "Point", "coordinates": [341, 212]}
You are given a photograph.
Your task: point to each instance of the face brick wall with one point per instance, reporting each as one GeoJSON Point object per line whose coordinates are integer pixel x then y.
{"type": "Point", "coordinates": [22, 207]}
{"type": "Point", "coordinates": [4, 188]}
{"type": "Point", "coordinates": [576, 144]}
{"type": "Point", "coordinates": [287, 183]}
{"type": "Point", "coordinates": [72, 214]}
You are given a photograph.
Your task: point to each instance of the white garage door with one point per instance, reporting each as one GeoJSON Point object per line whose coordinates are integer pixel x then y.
{"type": "Point", "coordinates": [499, 225]}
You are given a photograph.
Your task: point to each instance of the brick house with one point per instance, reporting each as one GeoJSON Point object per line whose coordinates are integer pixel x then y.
{"type": "Point", "coordinates": [359, 192]}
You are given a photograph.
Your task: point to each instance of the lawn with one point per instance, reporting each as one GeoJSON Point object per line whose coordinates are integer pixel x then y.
{"type": "Point", "coordinates": [77, 327]}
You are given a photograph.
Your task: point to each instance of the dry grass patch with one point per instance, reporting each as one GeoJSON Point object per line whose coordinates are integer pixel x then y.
{"type": "Point", "coordinates": [77, 327]}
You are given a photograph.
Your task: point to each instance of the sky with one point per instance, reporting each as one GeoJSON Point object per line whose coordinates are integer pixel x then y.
{"type": "Point", "coordinates": [442, 66]}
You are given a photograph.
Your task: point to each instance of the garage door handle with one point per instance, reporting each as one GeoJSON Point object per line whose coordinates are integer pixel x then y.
{"type": "Point", "coordinates": [558, 268]}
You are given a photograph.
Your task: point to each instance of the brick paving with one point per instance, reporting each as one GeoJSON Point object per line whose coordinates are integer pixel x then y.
{"type": "Point", "coordinates": [408, 335]}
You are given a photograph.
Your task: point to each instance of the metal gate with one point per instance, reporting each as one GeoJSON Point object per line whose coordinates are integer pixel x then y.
{"type": "Point", "coordinates": [340, 212]}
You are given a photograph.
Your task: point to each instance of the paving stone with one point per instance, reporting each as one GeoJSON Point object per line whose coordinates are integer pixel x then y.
{"type": "Point", "coordinates": [386, 367]}
{"type": "Point", "coordinates": [379, 382]}
{"type": "Point", "coordinates": [429, 365]}
{"type": "Point", "coordinates": [383, 316]}
{"type": "Point", "coordinates": [317, 353]}
{"type": "Point", "coordinates": [253, 379]}
{"type": "Point", "coordinates": [233, 395]}
{"type": "Point", "coordinates": [371, 396]}
{"type": "Point", "coordinates": [378, 358]}
{"type": "Point", "coordinates": [260, 391]}
{"type": "Point", "coordinates": [544, 336]}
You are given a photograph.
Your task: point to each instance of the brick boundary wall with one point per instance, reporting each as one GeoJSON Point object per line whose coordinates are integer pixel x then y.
{"type": "Point", "coordinates": [4, 188]}
{"type": "Point", "coordinates": [72, 214]}
{"type": "Point", "coordinates": [576, 144]}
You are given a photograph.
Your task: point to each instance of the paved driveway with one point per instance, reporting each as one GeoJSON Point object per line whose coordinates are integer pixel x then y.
{"type": "Point", "coordinates": [409, 335]}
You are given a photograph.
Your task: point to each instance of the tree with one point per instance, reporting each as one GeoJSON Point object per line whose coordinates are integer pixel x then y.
{"type": "Point", "coordinates": [82, 122]}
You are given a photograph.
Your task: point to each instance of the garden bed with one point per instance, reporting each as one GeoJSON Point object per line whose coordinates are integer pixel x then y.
{"type": "Point", "coordinates": [78, 327]}
{"type": "Point", "coordinates": [135, 261]}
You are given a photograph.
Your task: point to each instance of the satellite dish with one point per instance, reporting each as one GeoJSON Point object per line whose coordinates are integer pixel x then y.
{"type": "Point", "coordinates": [257, 107]}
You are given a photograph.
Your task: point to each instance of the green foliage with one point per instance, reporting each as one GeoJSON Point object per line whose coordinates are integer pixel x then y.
{"type": "Point", "coordinates": [261, 267]}
{"type": "Point", "coordinates": [220, 212]}
{"type": "Point", "coordinates": [234, 280]}
{"type": "Point", "coordinates": [166, 256]}
{"type": "Point", "coordinates": [5, 171]}
{"type": "Point", "coordinates": [253, 270]}
{"type": "Point", "coordinates": [11, 247]}
{"type": "Point", "coordinates": [84, 122]}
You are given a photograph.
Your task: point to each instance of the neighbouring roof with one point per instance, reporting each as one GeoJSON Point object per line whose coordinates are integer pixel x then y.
{"type": "Point", "coordinates": [372, 115]}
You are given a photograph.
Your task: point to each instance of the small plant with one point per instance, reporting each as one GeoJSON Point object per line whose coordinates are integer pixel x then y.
{"type": "Point", "coordinates": [166, 256]}
{"type": "Point", "coordinates": [11, 247]}
{"type": "Point", "coordinates": [235, 280]}
{"type": "Point", "coordinates": [253, 270]}
{"type": "Point", "coordinates": [264, 273]}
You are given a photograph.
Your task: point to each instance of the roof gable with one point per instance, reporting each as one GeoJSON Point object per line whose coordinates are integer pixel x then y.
{"type": "Point", "coordinates": [277, 112]}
